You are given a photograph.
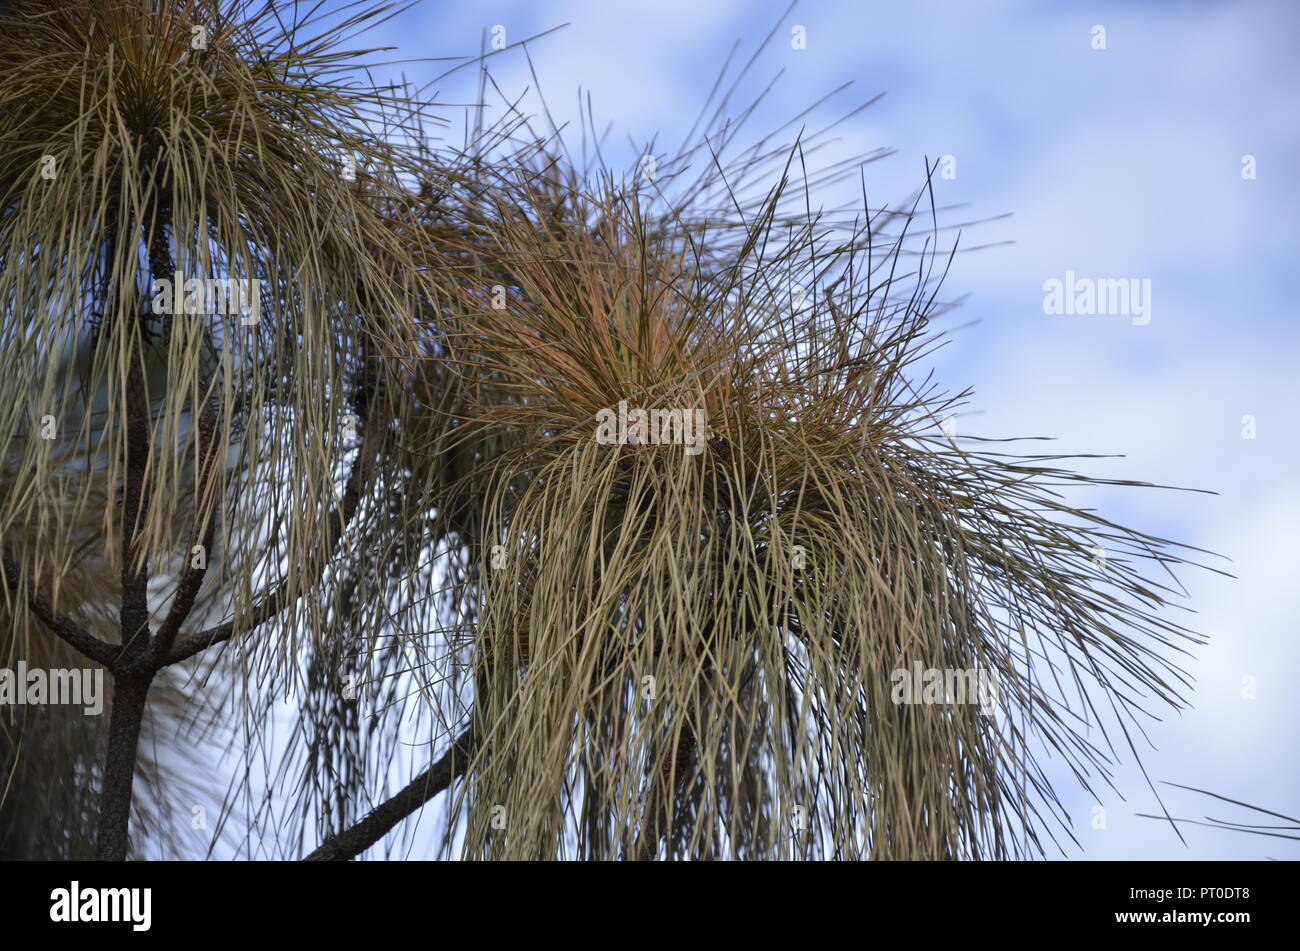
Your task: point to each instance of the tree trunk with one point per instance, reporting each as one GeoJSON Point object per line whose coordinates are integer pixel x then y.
{"type": "Point", "coordinates": [130, 691]}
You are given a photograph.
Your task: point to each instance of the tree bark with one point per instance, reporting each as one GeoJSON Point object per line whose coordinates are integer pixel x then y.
{"type": "Point", "coordinates": [130, 691]}
{"type": "Point", "coordinates": [133, 673]}
{"type": "Point", "coordinates": [353, 841]}
{"type": "Point", "coordinates": [131, 678]}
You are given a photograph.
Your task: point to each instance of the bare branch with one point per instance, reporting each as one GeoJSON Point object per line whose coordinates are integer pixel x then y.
{"type": "Point", "coordinates": [277, 600]}
{"type": "Point", "coordinates": [68, 630]}
{"type": "Point", "coordinates": [192, 578]}
{"type": "Point", "coordinates": [353, 841]}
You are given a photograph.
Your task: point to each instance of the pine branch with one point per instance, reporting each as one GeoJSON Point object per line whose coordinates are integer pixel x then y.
{"type": "Point", "coordinates": [68, 630]}
{"type": "Point", "coordinates": [277, 600]}
{"type": "Point", "coordinates": [187, 590]}
{"type": "Point", "coordinates": [353, 841]}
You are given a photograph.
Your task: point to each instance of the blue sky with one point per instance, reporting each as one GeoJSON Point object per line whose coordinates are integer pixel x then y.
{"type": "Point", "coordinates": [1117, 163]}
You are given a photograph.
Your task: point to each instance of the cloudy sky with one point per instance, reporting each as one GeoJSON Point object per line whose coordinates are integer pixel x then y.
{"type": "Point", "coordinates": [1130, 162]}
